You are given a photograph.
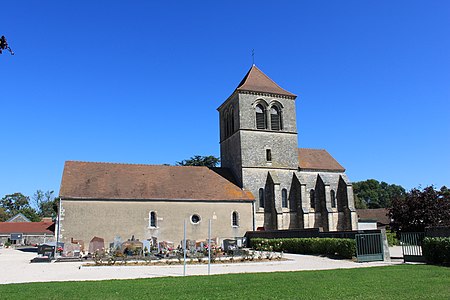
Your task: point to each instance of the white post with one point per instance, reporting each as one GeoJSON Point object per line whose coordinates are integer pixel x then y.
{"type": "Point", "coordinates": [57, 227]}
{"type": "Point", "coordinates": [209, 247]}
{"type": "Point", "coordinates": [184, 248]}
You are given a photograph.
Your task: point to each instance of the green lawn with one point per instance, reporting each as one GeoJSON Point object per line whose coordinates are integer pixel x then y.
{"type": "Point", "coordinates": [393, 282]}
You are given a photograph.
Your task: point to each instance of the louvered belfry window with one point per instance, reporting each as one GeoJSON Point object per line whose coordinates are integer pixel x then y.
{"type": "Point", "coordinates": [232, 121]}
{"type": "Point", "coordinates": [275, 118]}
{"type": "Point", "coordinates": [228, 122]}
{"type": "Point", "coordinates": [225, 126]}
{"type": "Point", "coordinates": [260, 117]}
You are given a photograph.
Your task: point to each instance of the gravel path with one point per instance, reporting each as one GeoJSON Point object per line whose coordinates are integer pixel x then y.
{"type": "Point", "coordinates": [15, 267]}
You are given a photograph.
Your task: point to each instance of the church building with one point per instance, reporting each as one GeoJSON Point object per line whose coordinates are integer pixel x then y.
{"type": "Point", "coordinates": [265, 182]}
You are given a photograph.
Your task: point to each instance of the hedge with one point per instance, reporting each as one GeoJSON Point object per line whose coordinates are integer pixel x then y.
{"type": "Point", "coordinates": [436, 250]}
{"type": "Point", "coordinates": [392, 238]}
{"type": "Point", "coordinates": [331, 247]}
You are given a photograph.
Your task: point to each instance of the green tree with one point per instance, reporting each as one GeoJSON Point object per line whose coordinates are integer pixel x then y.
{"type": "Point", "coordinates": [3, 215]}
{"type": "Point", "coordinates": [18, 203]}
{"type": "Point", "coordinates": [45, 203]}
{"type": "Point", "coordinates": [359, 203]}
{"type": "Point", "coordinates": [30, 213]}
{"type": "Point", "coordinates": [419, 209]}
{"type": "Point", "coordinates": [197, 160]}
{"type": "Point", "coordinates": [373, 194]}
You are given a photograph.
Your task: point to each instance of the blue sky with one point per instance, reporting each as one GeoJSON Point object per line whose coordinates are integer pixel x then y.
{"type": "Point", "coordinates": [140, 81]}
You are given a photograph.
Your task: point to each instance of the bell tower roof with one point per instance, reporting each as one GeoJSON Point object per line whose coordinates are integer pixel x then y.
{"type": "Point", "coordinates": [256, 81]}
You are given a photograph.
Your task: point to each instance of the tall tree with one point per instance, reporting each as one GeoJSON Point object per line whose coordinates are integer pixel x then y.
{"type": "Point", "coordinates": [45, 203]}
{"type": "Point", "coordinates": [373, 194]}
{"type": "Point", "coordinates": [419, 209]}
{"type": "Point", "coordinates": [3, 215]}
{"type": "Point", "coordinates": [197, 160]}
{"type": "Point", "coordinates": [19, 203]}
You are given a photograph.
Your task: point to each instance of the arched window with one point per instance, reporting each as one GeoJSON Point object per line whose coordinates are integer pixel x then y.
{"type": "Point", "coordinates": [333, 198]}
{"type": "Point", "coordinates": [235, 219]}
{"type": "Point", "coordinates": [152, 219]}
{"type": "Point", "coordinates": [261, 197]}
{"type": "Point", "coordinates": [228, 122]}
{"type": "Point", "coordinates": [275, 118]}
{"type": "Point", "coordinates": [260, 117]}
{"type": "Point", "coordinates": [225, 124]}
{"type": "Point", "coordinates": [231, 120]}
{"type": "Point", "coordinates": [284, 201]}
{"type": "Point", "coordinates": [312, 198]}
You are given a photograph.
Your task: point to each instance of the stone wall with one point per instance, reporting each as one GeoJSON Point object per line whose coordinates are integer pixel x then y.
{"type": "Point", "coordinates": [299, 213]}
{"type": "Point", "coordinates": [109, 219]}
{"type": "Point", "coordinates": [29, 239]}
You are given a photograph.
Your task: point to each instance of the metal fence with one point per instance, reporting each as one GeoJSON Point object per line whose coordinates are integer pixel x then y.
{"type": "Point", "coordinates": [412, 246]}
{"type": "Point", "coordinates": [369, 247]}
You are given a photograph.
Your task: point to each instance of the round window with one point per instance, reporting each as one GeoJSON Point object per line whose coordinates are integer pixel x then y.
{"type": "Point", "coordinates": [195, 219]}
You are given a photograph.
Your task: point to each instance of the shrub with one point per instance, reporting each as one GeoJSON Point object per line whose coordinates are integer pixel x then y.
{"type": "Point", "coordinates": [331, 247]}
{"type": "Point", "coordinates": [436, 250]}
{"type": "Point", "coordinates": [392, 238]}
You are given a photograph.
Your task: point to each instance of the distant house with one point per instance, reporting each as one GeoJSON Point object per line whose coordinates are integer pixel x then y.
{"type": "Point", "coordinates": [19, 218]}
{"type": "Point", "coordinates": [373, 218]}
{"type": "Point", "coordinates": [20, 232]}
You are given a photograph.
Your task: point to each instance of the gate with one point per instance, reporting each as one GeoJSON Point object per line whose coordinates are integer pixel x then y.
{"type": "Point", "coordinates": [412, 246]}
{"type": "Point", "coordinates": [369, 247]}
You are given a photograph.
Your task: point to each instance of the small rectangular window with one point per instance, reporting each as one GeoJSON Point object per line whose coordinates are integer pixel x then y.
{"type": "Point", "coordinates": [268, 155]}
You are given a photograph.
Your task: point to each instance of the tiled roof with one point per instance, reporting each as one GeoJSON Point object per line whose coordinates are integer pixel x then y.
{"type": "Point", "coordinates": [317, 159]}
{"type": "Point", "coordinates": [88, 180]}
{"type": "Point", "coordinates": [256, 81]}
{"type": "Point", "coordinates": [27, 227]}
{"type": "Point", "coordinates": [377, 214]}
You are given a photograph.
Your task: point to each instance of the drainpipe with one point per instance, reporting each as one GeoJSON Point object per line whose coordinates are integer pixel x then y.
{"type": "Point", "coordinates": [253, 215]}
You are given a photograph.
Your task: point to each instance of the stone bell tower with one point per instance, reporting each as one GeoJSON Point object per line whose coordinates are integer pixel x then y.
{"type": "Point", "coordinates": [258, 143]}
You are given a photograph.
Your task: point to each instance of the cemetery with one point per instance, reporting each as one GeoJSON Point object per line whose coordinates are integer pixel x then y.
{"type": "Point", "coordinates": [153, 252]}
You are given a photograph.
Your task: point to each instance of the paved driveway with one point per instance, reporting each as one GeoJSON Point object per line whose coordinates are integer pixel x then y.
{"type": "Point", "coordinates": [15, 267]}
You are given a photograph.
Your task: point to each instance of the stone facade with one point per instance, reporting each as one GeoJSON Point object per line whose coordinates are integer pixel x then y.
{"type": "Point", "coordinates": [266, 161]}
{"type": "Point", "coordinates": [82, 220]}
{"type": "Point", "coordinates": [29, 239]}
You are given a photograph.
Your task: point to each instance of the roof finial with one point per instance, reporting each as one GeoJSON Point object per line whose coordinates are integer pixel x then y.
{"type": "Point", "coordinates": [253, 56]}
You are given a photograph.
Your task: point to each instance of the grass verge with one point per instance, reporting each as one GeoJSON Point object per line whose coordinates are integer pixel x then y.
{"type": "Point", "coordinates": [393, 282]}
